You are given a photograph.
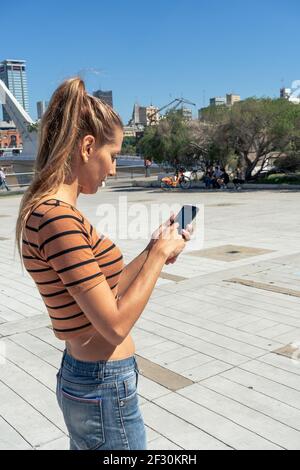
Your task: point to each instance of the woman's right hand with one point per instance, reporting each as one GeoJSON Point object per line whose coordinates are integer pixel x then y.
{"type": "Point", "coordinates": [170, 242]}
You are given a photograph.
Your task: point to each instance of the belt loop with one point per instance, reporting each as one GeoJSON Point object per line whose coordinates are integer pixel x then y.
{"type": "Point", "coordinates": [101, 371]}
{"type": "Point", "coordinates": [136, 364]}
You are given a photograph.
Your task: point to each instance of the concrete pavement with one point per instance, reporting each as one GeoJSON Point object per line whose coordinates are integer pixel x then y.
{"type": "Point", "coordinates": [216, 325]}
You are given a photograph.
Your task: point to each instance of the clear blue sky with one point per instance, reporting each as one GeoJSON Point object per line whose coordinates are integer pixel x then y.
{"type": "Point", "coordinates": [155, 51]}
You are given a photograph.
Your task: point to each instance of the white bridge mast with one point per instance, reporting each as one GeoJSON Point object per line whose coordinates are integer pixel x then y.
{"type": "Point", "coordinates": [22, 121]}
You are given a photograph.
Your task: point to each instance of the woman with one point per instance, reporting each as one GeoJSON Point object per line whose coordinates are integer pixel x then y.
{"type": "Point", "coordinates": [93, 300]}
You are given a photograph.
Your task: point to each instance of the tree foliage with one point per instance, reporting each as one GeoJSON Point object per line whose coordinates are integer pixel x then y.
{"type": "Point", "coordinates": [129, 146]}
{"type": "Point", "coordinates": [167, 141]}
{"type": "Point", "coordinates": [253, 130]}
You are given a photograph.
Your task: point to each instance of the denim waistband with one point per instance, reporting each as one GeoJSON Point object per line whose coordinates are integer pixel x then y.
{"type": "Point", "coordinates": [98, 368]}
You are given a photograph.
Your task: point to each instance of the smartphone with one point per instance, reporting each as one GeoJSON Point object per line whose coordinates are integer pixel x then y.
{"type": "Point", "coordinates": [185, 216]}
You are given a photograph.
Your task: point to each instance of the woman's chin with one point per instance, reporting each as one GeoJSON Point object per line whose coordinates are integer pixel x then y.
{"type": "Point", "coordinates": [85, 190]}
{"type": "Point", "coordinates": [91, 189]}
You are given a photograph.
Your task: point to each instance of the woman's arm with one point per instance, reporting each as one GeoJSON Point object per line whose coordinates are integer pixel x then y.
{"type": "Point", "coordinates": [131, 270]}
{"type": "Point", "coordinates": [115, 319]}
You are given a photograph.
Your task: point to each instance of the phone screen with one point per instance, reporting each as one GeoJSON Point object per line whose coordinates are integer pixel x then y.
{"type": "Point", "coordinates": [185, 216]}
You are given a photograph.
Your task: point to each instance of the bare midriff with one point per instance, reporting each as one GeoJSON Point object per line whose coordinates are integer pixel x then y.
{"type": "Point", "coordinates": [93, 347]}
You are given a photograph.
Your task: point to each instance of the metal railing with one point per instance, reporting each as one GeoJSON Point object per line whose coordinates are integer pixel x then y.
{"type": "Point", "coordinates": [132, 171]}
{"type": "Point", "coordinates": [20, 180]}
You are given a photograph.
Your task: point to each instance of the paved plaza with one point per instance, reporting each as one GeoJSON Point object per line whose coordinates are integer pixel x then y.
{"type": "Point", "coordinates": [213, 345]}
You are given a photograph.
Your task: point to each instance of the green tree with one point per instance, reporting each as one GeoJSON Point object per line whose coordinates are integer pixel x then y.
{"type": "Point", "coordinates": [129, 146]}
{"type": "Point", "coordinates": [253, 129]}
{"type": "Point", "coordinates": [209, 145]}
{"type": "Point", "coordinates": [289, 163]}
{"type": "Point", "coordinates": [33, 127]}
{"type": "Point", "coordinates": [167, 141]}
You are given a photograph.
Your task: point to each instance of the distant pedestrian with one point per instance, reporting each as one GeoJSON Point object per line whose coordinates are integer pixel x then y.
{"type": "Point", "coordinates": [224, 179]}
{"type": "Point", "coordinates": [147, 164]}
{"type": "Point", "coordinates": [208, 177]}
{"type": "Point", "coordinates": [218, 172]}
{"type": "Point", "coordinates": [216, 178]}
{"type": "Point", "coordinates": [238, 179]}
{"type": "Point", "coordinates": [2, 179]}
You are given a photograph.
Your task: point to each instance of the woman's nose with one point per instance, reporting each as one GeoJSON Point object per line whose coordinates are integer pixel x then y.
{"type": "Point", "coordinates": [113, 169]}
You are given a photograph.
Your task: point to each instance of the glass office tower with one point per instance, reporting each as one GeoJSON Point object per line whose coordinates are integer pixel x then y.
{"type": "Point", "coordinates": [13, 74]}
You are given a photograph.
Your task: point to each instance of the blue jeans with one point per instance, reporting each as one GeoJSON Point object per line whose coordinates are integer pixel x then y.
{"type": "Point", "coordinates": [3, 182]}
{"type": "Point", "coordinates": [99, 402]}
{"type": "Point", "coordinates": [207, 181]}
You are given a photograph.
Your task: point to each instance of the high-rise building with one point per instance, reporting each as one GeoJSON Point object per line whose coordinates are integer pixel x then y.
{"type": "Point", "coordinates": [41, 107]}
{"type": "Point", "coordinates": [231, 99]}
{"type": "Point", "coordinates": [13, 74]}
{"type": "Point", "coordinates": [187, 114]}
{"type": "Point", "coordinates": [139, 115]}
{"type": "Point", "coordinates": [105, 96]}
{"type": "Point", "coordinates": [217, 101]}
{"type": "Point", "coordinates": [129, 131]}
{"type": "Point", "coordinates": [200, 112]}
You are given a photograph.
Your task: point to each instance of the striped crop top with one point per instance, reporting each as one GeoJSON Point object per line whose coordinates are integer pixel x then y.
{"type": "Point", "coordinates": [64, 255]}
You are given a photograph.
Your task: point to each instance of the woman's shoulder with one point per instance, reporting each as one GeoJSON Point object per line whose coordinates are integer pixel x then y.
{"type": "Point", "coordinates": [54, 215]}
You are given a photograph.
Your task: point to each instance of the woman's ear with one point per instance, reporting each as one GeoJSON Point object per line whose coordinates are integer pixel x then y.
{"type": "Point", "coordinates": [86, 147]}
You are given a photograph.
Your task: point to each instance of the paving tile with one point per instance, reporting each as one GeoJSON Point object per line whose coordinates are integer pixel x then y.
{"type": "Point", "coordinates": [257, 422]}
{"type": "Point", "coordinates": [266, 406]}
{"type": "Point", "coordinates": [265, 386]}
{"type": "Point", "coordinates": [10, 439]}
{"type": "Point", "coordinates": [178, 430]}
{"type": "Point", "coordinates": [62, 443]}
{"type": "Point", "coordinates": [188, 406]}
{"type": "Point", "coordinates": [40, 397]}
{"type": "Point", "coordinates": [203, 328]}
{"type": "Point", "coordinates": [25, 419]}
{"type": "Point", "coordinates": [273, 373]}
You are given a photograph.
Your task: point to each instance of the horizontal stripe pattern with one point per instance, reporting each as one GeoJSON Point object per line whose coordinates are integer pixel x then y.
{"type": "Point", "coordinates": [64, 255]}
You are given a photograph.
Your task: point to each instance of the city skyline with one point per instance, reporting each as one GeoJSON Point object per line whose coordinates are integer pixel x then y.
{"type": "Point", "coordinates": [196, 50]}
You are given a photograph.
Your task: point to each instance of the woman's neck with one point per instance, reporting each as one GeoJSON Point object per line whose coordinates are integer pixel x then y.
{"type": "Point", "coordinates": [68, 193]}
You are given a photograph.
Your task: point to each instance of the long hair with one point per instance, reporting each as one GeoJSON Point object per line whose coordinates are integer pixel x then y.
{"type": "Point", "coordinates": [71, 114]}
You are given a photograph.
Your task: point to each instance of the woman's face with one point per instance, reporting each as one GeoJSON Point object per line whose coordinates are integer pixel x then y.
{"type": "Point", "coordinates": [97, 163]}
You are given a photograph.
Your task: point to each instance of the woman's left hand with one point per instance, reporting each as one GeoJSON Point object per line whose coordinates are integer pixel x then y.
{"type": "Point", "coordinates": [155, 235]}
{"type": "Point", "coordinates": [157, 232]}
{"type": "Point", "coordinates": [187, 236]}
